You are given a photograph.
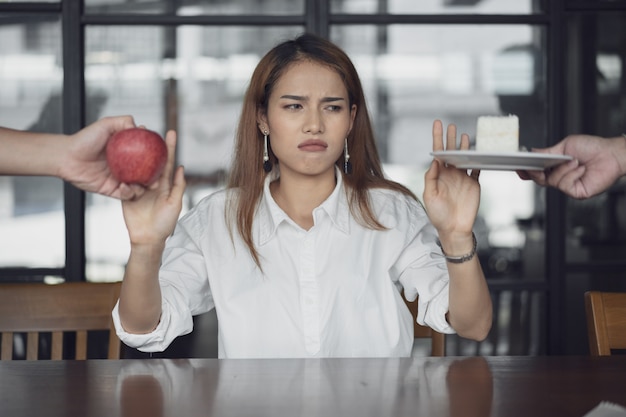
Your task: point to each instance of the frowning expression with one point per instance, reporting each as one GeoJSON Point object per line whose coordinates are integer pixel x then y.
{"type": "Point", "coordinates": [308, 118]}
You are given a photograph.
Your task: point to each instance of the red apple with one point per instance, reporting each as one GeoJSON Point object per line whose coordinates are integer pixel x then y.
{"type": "Point", "coordinates": [136, 156]}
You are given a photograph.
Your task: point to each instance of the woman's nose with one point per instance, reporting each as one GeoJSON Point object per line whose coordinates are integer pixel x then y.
{"type": "Point", "coordinates": [314, 123]}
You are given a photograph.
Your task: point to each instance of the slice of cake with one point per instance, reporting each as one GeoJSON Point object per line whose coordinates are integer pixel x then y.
{"type": "Point", "coordinates": [497, 134]}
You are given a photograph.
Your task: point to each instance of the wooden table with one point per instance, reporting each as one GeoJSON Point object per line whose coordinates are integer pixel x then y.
{"type": "Point", "coordinates": [475, 386]}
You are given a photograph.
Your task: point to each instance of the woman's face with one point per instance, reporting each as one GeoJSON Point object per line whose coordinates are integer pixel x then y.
{"type": "Point", "coordinates": [308, 118]}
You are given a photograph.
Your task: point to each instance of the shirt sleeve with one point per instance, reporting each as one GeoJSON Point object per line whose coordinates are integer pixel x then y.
{"type": "Point", "coordinates": [421, 268]}
{"type": "Point", "coordinates": [185, 290]}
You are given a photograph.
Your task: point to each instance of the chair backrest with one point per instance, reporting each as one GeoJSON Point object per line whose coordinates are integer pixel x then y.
{"type": "Point", "coordinates": [606, 321]}
{"type": "Point", "coordinates": [438, 340]}
{"type": "Point", "coordinates": [35, 308]}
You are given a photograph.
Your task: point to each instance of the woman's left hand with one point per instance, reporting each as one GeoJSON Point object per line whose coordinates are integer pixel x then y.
{"type": "Point", "coordinates": [451, 195]}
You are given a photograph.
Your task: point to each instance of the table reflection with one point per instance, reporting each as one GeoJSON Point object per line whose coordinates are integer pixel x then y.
{"type": "Point", "coordinates": [306, 387]}
{"type": "Point", "coordinates": [470, 387]}
{"type": "Point", "coordinates": [141, 395]}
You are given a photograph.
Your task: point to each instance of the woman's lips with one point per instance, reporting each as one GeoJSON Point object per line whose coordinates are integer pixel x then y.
{"type": "Point", "coordinates": [313, 145]}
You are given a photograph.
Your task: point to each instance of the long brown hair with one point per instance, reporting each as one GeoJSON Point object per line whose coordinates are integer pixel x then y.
{"type": "Point", "coordinates": [247, 175]}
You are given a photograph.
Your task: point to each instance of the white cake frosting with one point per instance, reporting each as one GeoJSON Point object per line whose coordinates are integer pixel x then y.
{"type": "Point", "coordinates": [497, 134]}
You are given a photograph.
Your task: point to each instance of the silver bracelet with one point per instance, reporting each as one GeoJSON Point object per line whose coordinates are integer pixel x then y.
{"type": "Point", "coordinates": [463, 258]}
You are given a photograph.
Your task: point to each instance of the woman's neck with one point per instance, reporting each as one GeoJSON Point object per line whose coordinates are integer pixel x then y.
{"type": "Point", "coordinates": [298, 197]}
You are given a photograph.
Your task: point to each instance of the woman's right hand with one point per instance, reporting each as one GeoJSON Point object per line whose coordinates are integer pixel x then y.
{"type": "Point", "coordinates": [151, 218]}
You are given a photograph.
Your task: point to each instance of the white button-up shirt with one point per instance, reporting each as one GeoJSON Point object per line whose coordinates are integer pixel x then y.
{"type": "Point", "coordinates": [331, 291]}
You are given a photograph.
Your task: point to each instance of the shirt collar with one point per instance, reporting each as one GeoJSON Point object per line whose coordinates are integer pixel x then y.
{"type": "Point", "coordinates": [270, 215]}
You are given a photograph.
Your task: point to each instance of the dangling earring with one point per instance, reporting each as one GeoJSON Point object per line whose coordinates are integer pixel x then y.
{"type": "Point", "coordinates": [347, 165]}
{"type": "Point", "coordinates": [267, 165]}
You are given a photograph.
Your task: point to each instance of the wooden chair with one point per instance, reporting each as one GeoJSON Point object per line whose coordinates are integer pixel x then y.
{"type": "Point", "coordinates": [35, 308]}
{"type": "Point", "coordinates": [606, 321]}
{"type": "Point", "coordinates": [438, 340]}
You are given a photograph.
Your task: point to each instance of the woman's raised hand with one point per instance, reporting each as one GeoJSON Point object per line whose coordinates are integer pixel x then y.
{"type": "Point", "coordinates": [451, 195]}
{"type": "Point", "coordinates": [152, 217]}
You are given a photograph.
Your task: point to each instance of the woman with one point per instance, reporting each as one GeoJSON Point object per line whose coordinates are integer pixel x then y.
{"type": "Point", "coordinates": [305, 252]}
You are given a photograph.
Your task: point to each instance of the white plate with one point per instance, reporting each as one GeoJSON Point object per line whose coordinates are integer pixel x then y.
{"type": "Point", "coordinates": [510, 161]}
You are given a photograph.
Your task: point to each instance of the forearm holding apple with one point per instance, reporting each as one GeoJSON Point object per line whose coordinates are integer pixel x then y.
{"type": "Point", "coordinates": [140, 297]}
{"type": "Point", "coordinates": [28, 153]}
{"type": "Point", "coordinates": [619, 149]}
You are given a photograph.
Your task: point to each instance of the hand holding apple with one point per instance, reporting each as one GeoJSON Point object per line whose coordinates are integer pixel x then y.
{"type": "Point", "coordinates": [136, 156]}
{"type": "Point", "coordinates": [151, 219]}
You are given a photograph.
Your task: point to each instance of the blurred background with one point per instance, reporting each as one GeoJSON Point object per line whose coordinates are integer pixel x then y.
{"type": "Point", "coordinates": [185, 64]}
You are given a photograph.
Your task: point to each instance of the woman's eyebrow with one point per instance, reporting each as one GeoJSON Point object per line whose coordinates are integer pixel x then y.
{"type": "Point", "coordinates": [293, 97]}
{"type": "Point", "coordinates": [304, 98]}
{"type": "Point", "coordinates": [330, 99]}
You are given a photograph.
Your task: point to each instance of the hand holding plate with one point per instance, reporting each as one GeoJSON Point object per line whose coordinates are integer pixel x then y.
{"type": "Point", "coordinates": [451, 195]}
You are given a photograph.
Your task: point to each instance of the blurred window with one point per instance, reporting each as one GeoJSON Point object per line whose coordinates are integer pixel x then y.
{"type": "Point", "coordinates": [202, 84]}
{"type": "Point", "coordinates": [32, 219]}
{"type": "Point", "coordinates": [197, 7]}
{"type": "Point", "coordinates": [438, 6]}
{"type": "Point", "coordinates": [184, 64]}
{"type": "Point", "coordinates": [596, 228]}
{"type": "Point", "coordinates": [456, 73]}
